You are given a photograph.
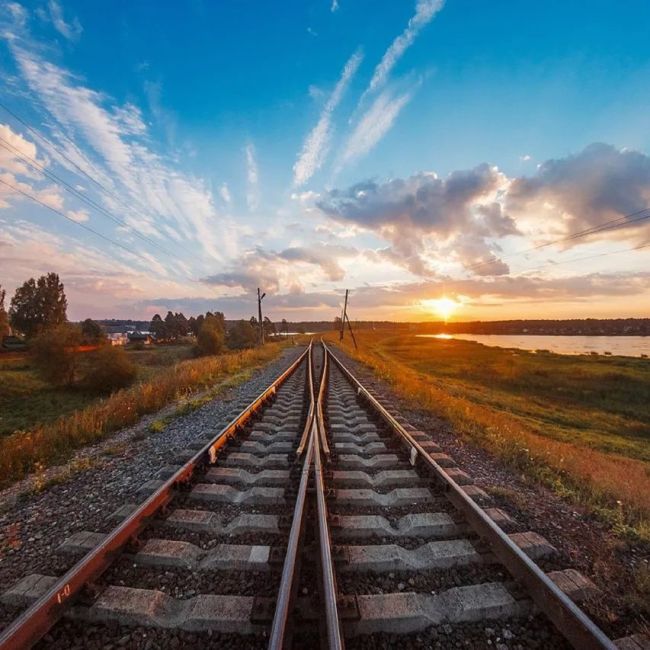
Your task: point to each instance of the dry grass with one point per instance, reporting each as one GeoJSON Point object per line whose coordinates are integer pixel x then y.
{"type": "Point", "coordinates": [614, 486]}
{"type": "Point", "coordinates": [46, 445]}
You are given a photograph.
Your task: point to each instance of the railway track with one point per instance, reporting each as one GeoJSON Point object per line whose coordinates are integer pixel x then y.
{"type": "Point", "coordinates": [316, 517]}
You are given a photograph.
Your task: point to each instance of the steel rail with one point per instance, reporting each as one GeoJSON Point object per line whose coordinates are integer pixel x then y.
{"type": "Point", "coordinates": [36, 621]}
{"type": "Point", "coordinates": [288, 581]}
{"type": "Point", "coordinates": [320, 418]}
{"type": "Point", "coordinates": [568, 618]}
{"type": "Point", "coordinates": [332, 621]}
{"type": "Point", "coordinates": [311, 412]}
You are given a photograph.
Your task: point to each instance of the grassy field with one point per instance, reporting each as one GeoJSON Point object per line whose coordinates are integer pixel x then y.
{"type": "Point", "coordinates": [580, 424]}
{"type": "Point", "coordinates": [27, 401]}
{"type": "Point", "coordinates": [46, 439]}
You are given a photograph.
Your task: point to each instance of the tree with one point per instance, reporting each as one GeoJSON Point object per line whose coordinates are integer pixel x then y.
{"type": "Point", "coordinates": [242, 335]}
{"type": "Point", "coordinates": [111, 369]}
{"type": "Point", "coordinates": [55, 351]}
{"type": "Point", "coordinates": [285, 326]}
{"type": "Point", "coordinates": [182, 326]}
{"type": "Point", "coordinates": [212, 336]}
{"type": "Point", "coordinates": [158, 328]}
{"type": "Point", "coordinates": [269, 327]}
{"type": "Point", "coordinates": [4, 319]}
{"type": "Point", "coordinates": [92, 332]}
{"type": "Point", "coordinates": [38, 304]}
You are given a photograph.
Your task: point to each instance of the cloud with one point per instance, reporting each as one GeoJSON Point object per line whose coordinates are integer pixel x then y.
{"type": "Point", "coordinates": [12, 146]}
{"type": "Point", "coordinates": [252, 176]}
{"type": "Point", "coordinates": [287, 270]}
{"type": "Point", "coordinates": [582, 190]}
{"type": "Point", "coordinates": [425, 10]}
{"type": "Point", "coordinates": [80, 216]}
{"type": "Point", "coordinates": [425, 214]}
{"type": "Point", "coordinates": [334, 6]}
{"type": "Point", "coordinates": [111, 143]}
{"type": "Point", "coordinates": [373, 125]}
{"type": "Point", "coordinates": [316, 145]}
{"type": "Point", "coordinates": [224, 192]}
{"type": "Point", "coordinates": [69, 30]}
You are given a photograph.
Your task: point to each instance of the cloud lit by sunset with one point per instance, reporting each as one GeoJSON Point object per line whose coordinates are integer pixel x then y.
{"type": "Point", "coordinates": [407, 154]}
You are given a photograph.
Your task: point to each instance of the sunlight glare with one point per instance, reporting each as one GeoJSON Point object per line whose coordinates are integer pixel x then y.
{"type": "Point", "coordinates": [444, 307]}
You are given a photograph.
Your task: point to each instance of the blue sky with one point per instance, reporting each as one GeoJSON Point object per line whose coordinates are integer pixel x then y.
{"type": "Point", "coordinates": [409, 151]}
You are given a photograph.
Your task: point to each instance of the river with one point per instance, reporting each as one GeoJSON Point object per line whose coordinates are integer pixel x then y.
{"type": "Point", "coordinates": [628, 346]}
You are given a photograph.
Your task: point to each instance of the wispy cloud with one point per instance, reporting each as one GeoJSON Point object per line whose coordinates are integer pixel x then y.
{"type": "Point", "coordinates": [69, 30]}
{"type": "Point", "coordinates": [335, 6]}
{"type": "Point", "coordinates": [373, 125]}
{"type": "Point", "coordinates": [316, 145]}
{"type": "Point", "coordinates": [111, 143]}
{"type": "Point", "coordinates": [425, 10]}
{"type": "Point", "coordinates": [224, 192]}
{"type": "Point", "coordinates": [252, 176]}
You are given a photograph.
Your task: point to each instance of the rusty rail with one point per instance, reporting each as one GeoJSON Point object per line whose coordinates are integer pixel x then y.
{"type": "Point", "coordinates": [289, 580]}
{"type": "Point", "coordinates": [328, 576]}
{"type": "Point", "coordinates": [37, 620]}
{"type": "Point", "coordinates": [568, 618]}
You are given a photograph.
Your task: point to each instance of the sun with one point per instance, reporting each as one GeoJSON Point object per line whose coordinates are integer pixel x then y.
{"type": "Point", "coordinates": [445, 307]}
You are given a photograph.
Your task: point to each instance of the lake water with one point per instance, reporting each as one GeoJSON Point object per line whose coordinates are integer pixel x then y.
{"type": "Point", "coordinates": [628, 346]}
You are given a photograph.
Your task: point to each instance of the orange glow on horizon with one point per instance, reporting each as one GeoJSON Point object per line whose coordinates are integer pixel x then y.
{"type": "Point", "coordinates": [444, 307]}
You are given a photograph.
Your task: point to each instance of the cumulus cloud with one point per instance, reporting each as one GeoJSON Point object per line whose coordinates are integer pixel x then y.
{"type": "Point", "coordinates": [424, 214]}
{"type": "Point", "coordinates": [278, 271]}
{"type": "Point", "coordinates": [425, 10]}
{"type": "Point", "coordinates": [598, 184]}
{"type": "Point", "coordinates": [316, 146]}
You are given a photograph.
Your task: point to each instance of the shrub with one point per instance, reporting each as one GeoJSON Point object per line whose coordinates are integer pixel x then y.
{"type": "Point", "coordinates": [242, 335]}
{"type": "Point", "coordinates": [111, 370]}
{"type": "Point", "coordinates": [211, 337]}
{"type": "Point", "coordinates": [55, 353]}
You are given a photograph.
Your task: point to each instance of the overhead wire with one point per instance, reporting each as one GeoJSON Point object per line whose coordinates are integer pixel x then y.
{"type": "Point", "coordinates": [60, 153]}
{"type": "Point", "coordinates": [620, 222]}
{"type": "Point", "coordinates": [69, 188]}
{"type": "Point", "coordinates": [78, 223]}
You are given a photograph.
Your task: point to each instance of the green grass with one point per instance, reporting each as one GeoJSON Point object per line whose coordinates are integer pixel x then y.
{"type": "Point", "coordinates": [27, 401]}
{"type": "Point", "coordinates": [577, 424]}
{"type": "Point", "coordinates": [602, 401]}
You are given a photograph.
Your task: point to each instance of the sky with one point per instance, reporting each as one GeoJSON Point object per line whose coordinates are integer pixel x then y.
{"type": "Point", "coordinates": [459, 158]}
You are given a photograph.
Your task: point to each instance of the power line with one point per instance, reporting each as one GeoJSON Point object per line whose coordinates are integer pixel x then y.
{"type": "Point", "coordinates": [625, 220]}
{"type": "Point", "coordinates": [589, 257]}
{"type": "Point", "coordinates": [100, 185]}
{"type": "Point", "coordinates": [81, 225]}
{"type": "Point", "coordinates": [93, 204]}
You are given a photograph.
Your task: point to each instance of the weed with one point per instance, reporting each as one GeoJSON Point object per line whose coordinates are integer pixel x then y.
{"type": "Point", "coordinates": [577, 425]}
{"type": "Point", "coordinates": [52, 443]}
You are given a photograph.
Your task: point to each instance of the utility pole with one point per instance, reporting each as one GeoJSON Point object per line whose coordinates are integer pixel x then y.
{"type": "Point", "coordinates": [347, 318]}
{"type": "Point", "coordinates": [345, 311]}
{"type": "Point", "coordinates": [259, 312]}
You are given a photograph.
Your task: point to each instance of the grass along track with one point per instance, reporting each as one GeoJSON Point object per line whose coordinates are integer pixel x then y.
{"type": "Point", "coordinates": [54, 442]}
{"type": "Point", "coordinates": [580, 425]}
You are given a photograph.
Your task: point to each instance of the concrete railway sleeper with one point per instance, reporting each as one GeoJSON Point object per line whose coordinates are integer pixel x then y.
{"type": "Point", "coordinates": [316, 517]}
{"type": "Point", "coordinates": [203, 551]}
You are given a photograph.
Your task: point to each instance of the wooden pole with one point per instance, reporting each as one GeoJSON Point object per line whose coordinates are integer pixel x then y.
{"type": "Point", "coordinates": [356, 347]}
{"type": "Point", "coordinates": [345, 311]}
{"type": "Point", "coordinates": [259, 312]}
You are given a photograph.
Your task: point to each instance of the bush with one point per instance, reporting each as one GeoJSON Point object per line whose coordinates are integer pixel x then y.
{"type": "Point", "coordinates": [111, 370]}
{"type": "Point", "coordinates": [211, 337]}
{"type": "Point", "coordinates": [55, 353]}
{"type": "Point", "coordinates": [242, 335]}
